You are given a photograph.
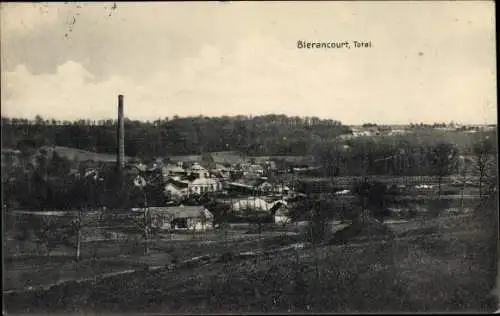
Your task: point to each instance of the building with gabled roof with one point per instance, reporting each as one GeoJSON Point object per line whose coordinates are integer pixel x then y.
{"type": "Point", "coordinates": [194, 218]}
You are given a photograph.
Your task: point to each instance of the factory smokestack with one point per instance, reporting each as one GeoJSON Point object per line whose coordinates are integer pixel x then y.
{"type": "Point", "coordinates": [120, 156]}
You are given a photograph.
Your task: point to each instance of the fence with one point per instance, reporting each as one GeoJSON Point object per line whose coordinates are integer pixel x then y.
{"type": "Point", "coordinates": [33, 233]}
{"type": "Point", "coordinates": [80, 233]}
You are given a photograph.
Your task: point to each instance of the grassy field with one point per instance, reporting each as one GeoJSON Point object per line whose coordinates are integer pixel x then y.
{"type": "Point", "coordinates": [103, 257]}
{"type": "Point", "coordinates": [444, 264]}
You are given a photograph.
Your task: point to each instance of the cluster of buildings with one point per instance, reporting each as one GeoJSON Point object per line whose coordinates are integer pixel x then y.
{"type": "Point", "coordinates": [374, 130]}
{"type": "Point", "coordinates": [185, 178]}
{"type": "Point", "coordinates": [384, 130]}
{"type": "Point", "coordinates": [241, 183]}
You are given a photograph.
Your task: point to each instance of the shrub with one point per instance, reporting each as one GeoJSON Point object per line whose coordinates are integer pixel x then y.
{"type": "Point", "coordinates": [226, 257]}
{"type": "Point", "coordinates": [371, 230]}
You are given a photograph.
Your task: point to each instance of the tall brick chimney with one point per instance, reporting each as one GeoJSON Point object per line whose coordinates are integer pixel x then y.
{"type": "Point", "coordinates": [120, 155]}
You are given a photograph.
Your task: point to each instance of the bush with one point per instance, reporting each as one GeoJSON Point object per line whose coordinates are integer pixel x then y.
{"type": "Point", "coordinates": [451, 191]}
{"type": "Point", "coordinates": [371, 230]}
{"type": "Point", "coordinates": [317, 227]}
{"type": "Point", "coordinates": [226, 257]}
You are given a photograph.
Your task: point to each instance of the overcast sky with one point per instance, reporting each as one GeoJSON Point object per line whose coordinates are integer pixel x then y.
{"type": "Point", "coordinates": [429, 61]}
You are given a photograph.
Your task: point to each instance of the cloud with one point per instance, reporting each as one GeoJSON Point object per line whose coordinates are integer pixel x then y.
{"type": "Point", "coordinates": [165, 68]}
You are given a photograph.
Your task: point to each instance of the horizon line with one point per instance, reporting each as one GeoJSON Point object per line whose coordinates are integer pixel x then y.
{"type": "Point", "coordinates": [248, 116]}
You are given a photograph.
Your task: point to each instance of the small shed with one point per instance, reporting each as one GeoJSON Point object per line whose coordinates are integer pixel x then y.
{"type": "Point", "coordinates": [280, 212]}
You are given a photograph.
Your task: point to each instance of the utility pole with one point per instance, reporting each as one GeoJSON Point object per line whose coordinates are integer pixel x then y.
{"type": "Point", "coordinates": [78, 227]}
{"type": "Point", "coordinates": [464, 183]}
{"type": "Point", "coordinates": [141, 183]}
{"type": "Point", "coordinates": [146, 223]}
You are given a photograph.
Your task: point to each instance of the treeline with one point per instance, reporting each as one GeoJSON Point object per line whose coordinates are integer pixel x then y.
{"type": "Point", "coordinates": [259, 135]}
{"type": "Point", "coordinates": [49, 183]}
{"type": "Point", "coordinates": [404, 155]}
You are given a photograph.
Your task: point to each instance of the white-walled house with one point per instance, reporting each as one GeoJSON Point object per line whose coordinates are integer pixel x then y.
{"type": "Point", "coordinates": [204, 185]}
{"type": "Point", "coordinates": [198, 170]}
{"type": "Point", "coordinates": [280, 212]}
{"type": "Point", "coordinates": [176, 189]}
{"type": "Point", "coordinates": [252, 203]}
{"type": "Point", "coordinates": [255, 203]}
{"type": "Point", "coordinates": [171, 170]}
{"type": "Point", "coordinates": [181, 188]}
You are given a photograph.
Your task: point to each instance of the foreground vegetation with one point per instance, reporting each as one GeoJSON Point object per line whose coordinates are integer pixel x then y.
{"type": "Point", "coordinates": [421, 272]}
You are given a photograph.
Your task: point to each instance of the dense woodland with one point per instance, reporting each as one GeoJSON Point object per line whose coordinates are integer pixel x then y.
{"type": "Point", "coordinates": [259, 135]}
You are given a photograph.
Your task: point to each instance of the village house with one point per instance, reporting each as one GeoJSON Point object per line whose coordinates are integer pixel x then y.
{"type": "Point", "coordinates": [397, 132]}
{"type": "Point", "coordinates": [252, 169]}
{"type": "Point", "coordinates": [190, 218]}
{"type": "Point", "coordinates": [176, 189]}
{"type": "Point", "coordinates": [255, 204]}
{"type": "Point", "coordinates": [250, 185]}
{"type": "Point", "coordinates": [270, 165]}
{"type": "Point", "coordinates": [199, 171]}
{"type": "Point", "coordinates": [204, 185]}
{"type": "Point", "coordinates": [221, 171]}
{"type": "Point", "coordinates": [251, 203]}
{"type": "Point", "coordinates": [280, 213]}
{"type": "Point", "coordinates": [171, 170]}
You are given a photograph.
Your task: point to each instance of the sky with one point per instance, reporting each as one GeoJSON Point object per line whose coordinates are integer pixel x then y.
{"type": "Point", "coordinates": [428, 61]}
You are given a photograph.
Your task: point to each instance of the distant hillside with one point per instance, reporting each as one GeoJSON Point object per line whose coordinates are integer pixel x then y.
{"type": "Point", "coordinates": [260, 135]}
{"type": "Point", "coordinates": [234, 158]}
{"type": "Point", "coordinates": [79, 155]}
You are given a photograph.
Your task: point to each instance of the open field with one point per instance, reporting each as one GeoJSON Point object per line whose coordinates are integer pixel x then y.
{"type": "Point", "coordinates": [444, 264]}
{"type": "Point", "coordinates": [28, 265]}
{"type": "Point", "coordinates": [101, 257]}
{"type": "Point", "coordinates": [76, 154]}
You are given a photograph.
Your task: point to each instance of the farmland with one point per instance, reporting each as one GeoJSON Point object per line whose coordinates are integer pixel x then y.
{"type": "Point", "coordinates": [440, 264]}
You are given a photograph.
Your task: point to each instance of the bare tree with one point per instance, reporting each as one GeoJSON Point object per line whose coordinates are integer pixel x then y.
{"type": "Point", "coordinates": [484, 159]}
{"type": "Point", "coordinates": [46, 230]}
{"type": "Point", "coordinates": [444, 160]}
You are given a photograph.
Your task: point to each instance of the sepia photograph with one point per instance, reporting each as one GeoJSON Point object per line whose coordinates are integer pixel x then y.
{"type": "Point", "coordinates": [249, 157]}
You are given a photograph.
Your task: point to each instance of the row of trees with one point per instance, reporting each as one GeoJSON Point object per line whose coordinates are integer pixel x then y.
{"type": "Point", "coordinates": [260, 135]}
{"type": "Point", "coordinates": [48, 184]}
{"type": "Point", "coordinates": [406, 155]}
{"type": "Point", "coordinates": [269, 119]}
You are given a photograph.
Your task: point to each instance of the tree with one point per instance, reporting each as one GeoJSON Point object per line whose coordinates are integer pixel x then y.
{"type": "Point", "coordinates": [444, 158]}
{"type": "Point", "coordinates": [484, 158]}
{"type": "Point", "coordinates": [318, 216]}
{"type": "Point", "coordinates": [328, 154]}
{"type": "Point", "coordinates": [77, 228]}
{"type": "Point", "coordinates": [47, 232]}
{"type": "Point", "coordinates": [362, 190]}
{"type": "Point", "coordinates": [39, 120]}
{"type": "Point", "coordinates": [22, 236]}
{"type": "Point", "coordinates": [317, 229]}
{"type": "Point", "coordinates": [373, 196]}
{"type": "Point", "coordinates": [377, 199]}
